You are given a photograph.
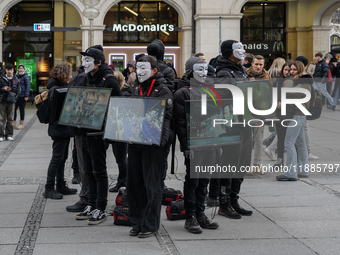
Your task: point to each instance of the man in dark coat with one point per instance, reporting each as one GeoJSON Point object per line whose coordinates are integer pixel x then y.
{"type": "Point", "coordinates": [9, 94]}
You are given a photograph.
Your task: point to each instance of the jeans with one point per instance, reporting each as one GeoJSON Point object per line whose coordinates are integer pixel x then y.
{"type": "Point", "coordinates": [6, 108]}
{"type": "Point", "coordinates": [324, 91]}
{"type": "Point", "coordinates": [336, 96]}
{"type": "Point", "coordinates": [21, 103]}
{"type": "Point", "coordinates": [258, 136]}
{"type": "Point", "coordinates": [56, 167]}
{"type": "Point", "coordinates": [295, 143]}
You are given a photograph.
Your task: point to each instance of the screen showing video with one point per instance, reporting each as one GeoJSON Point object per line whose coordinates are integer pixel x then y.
{"type": "Point", "coordinates": [85, 107]}
{"type": "Point", "coordinates": [135, 120]}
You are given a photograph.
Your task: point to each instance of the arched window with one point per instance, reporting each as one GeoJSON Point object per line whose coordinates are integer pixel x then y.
{"type": "Point", "coordinates": [335, 39]}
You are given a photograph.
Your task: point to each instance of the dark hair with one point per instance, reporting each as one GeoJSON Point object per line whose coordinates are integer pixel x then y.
{"type": "Point", "coordinates": [259, 57]}
{"type": "Point", "coordinates": [249, 57]}
{"type": "Point", "coordinates": [283, 67]}
{"type": "Point", "coordinates": [9, 66]}
{"type": "Point", "coordinates": [319, 54]}
{"type": "Point", "coordinates": [151, 59]}
{"type": "Point", "coordinates": [199, 54]}
{"type": "Point", "coordinates": [62, 72]}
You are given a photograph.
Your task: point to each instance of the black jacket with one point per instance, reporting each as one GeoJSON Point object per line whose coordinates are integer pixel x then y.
{"type": "Point", "coordinates": [321, 71]}
{"type": "Point", "coordinates": [99, 80]}
{"type": "Point", "coordinates": [158, 51]}
{"type": "Point", "coordinates": [13, 83]}
{"type": "Point", "coordinates": [186, 91]}
{"type": "Point", "coordinates": [79, 78]}
{"type": "Point", "coordinates": [55, 130]}
{"type": "Point", "coordinates": [161, 90]}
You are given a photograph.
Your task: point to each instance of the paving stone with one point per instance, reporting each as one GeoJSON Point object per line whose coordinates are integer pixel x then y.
{"type": "Point", "coordinates": [9, 235]}
{"type": "Point", "coordinates": [323, 246]}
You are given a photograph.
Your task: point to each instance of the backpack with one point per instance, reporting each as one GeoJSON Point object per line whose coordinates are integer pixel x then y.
{"type": "Point", "coordinates": [169, 195]}
{"type": "Point", "coordinates": [102, 82]}
{"type": "Point", "coordinates": [213, 61]}
{"type": "Point", "coordinates": [315, 104]}
{"type": "Point", "coordinates": [43, 107]}
{"type": "Point", "coordinates": [175, 210]}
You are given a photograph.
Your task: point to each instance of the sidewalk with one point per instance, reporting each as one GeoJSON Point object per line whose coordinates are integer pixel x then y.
{"type": "Point", "coordinates": [300, 217]}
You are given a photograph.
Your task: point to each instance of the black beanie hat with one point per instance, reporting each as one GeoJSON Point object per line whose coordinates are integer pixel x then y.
{"type": "Point", "coordinates": [302, 59]}
{"type": "Point", "coordinates": [227, 48]}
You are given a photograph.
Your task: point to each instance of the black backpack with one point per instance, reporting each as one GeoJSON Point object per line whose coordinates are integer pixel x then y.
{"type": "Point", "coordinates": [315, 104]}
{"type": "Point", "coordinates": [42, 103]}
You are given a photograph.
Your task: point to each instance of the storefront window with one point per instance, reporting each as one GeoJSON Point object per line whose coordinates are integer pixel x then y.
{"type": "Point", "coordinates": [141, 21]}
{"type": "Point", "coordinates": [262, 28]}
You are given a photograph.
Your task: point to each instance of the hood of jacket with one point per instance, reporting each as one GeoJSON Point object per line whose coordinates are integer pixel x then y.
{"type": "Point", "coordinates": [159, 80]}
{"type": "Point", "coordinates": [156, 48]}
{"type": "Point", "coordinates": [21, 74]}
{"type": "Point", "coordinates": [226, 63]}
{"type": "Point", "coordinates": [101, 72]}
{"type": "Point", "coordinates": [55, 82]}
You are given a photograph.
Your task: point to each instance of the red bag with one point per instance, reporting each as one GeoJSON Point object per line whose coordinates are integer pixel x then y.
{"type": "Point", "coordinates": [330, 77]}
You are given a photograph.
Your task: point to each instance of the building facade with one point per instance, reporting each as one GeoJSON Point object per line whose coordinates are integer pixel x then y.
{"type": "Point", "coordinates": [271, 28]}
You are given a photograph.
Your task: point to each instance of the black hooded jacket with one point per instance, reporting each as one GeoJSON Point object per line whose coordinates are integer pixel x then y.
{"type": "Point", "coordinates": [55, 130]}
{"type": "Point", "coordinates": [321, 71]}
{"type": "Point", "coordinates": [156, 48]}
{"type": "Point", "coordinates": [186, 91]}
{"type": "Point", "coordinates": [161, 90]}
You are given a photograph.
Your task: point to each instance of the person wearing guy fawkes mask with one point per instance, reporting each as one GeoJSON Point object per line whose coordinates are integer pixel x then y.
{"type": "Point", "coordinates": [144, 177]}
{"type": "Point", "coordinates": [194, 188]}
{"type": "Point", "coordinates": [230, 68]}
{"type": "Point", "coordinates": [99, 74]}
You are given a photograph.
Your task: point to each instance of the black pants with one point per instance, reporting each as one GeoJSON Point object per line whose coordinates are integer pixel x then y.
{"type": "Point", "coordinates": [95, 168]}
{"type": "Point", "coordinates": [195, 189]}
{"type": "Point", "coordinates": [56, 167]}
{"type": "Point", "coordinates": [75, 159]}
{"type": "Point", "coordinates": [82, 151]}
{"type": "Point", "coordinates": [167, 151]}
{"type": "Point", "coordinates": [281, 135]}
{"type": "Point", "coordinates": [144, 186]}
{"type": "Point", "coordinates": [21, 103]}
{"type": "Point", "coordinates": [120, 153]}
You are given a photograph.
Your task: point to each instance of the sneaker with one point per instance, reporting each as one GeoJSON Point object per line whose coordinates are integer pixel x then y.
{"type": "Point", "coordinates": [98, 217]}
{"type": "Point", "coordinates": [270, 154]}
{"type": "Point", "coordinates": [115, 188]}
{"type": "Point", "coordinates": [1, 139]}
{"type": "Point", "coordinates": [228, 211]}
{"type": "Point", "coordinates": [285, 178]}
{"type": "Point", "coordinates": [146, 234]}
{"type": "Point", "coordinates": [192, 225]}
{"type": "Point", "coordinates": [212, 202]}
{"type": "Point", "coordinates": [86, 214]}
{"type": "Point", "coordinates": [333, 108]}
{"type": "Point", "coordinates": [205, 222]}
{"type": "Point", "coordinates": [52, 194]}
{"type": "Point", "coordinates": [9, 138]}
{"type": "Point", "coordinates": [268, 140]}
{"type": "Point", "coordinates": [66, 190]}
{"type": "Point", "coordinates": [257, 169]}
{"type": "Point", "coordinates": [134, 232]}
{"type": "Point", "coordinates": [311, 157]}
{"type": "Point", "coordinates": [241, 210]}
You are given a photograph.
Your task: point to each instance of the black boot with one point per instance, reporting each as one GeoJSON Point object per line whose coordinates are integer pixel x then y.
{"type": "Point", "coordinates": [76, 178]}
{"type": "Point", "coordinates": [268, 140]}
{"type": "Point", "coordinates": [51, 193]}
{"type": "Point", "coordinates": [63, 189]}
{"type": "Point", "coordinates": [240, 209]}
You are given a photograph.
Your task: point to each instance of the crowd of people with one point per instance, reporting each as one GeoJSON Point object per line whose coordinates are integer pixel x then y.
{"type": "Point", "coordinates": [143, 168]}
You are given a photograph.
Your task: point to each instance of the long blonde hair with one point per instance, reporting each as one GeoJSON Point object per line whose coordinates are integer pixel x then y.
{"type": "Point", "coordinates": [120, 78]}
{"type": "Point", "coordinates": [276, 67]}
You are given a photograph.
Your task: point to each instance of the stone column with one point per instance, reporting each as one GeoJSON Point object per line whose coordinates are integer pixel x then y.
{"type": "Point", "coordinates": [304, 42]}
{"type": "Point", "coordinates": [291, 41]}
{"type": "Point", "coordinates": [58, 51]}
{"type": "Point", "coordinates": [321, 39]}
{"type": "Point", "coordinates": [97, 35]}
{"type": "Point", "coordinates": [1, 38]}
{"type": "Point", "coordinates": [185, 46]}
{"type": "Point", "coordinates": [207, 32]}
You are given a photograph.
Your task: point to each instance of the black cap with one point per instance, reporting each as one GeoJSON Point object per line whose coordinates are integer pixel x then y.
{"type": "Point", "coordinates": [95, 53]}
{"type": "Point", "coordinates": [302, 59]}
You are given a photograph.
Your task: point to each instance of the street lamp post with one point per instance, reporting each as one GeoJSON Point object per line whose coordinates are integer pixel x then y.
{"type": "Point", "coordinates": [91, 13]}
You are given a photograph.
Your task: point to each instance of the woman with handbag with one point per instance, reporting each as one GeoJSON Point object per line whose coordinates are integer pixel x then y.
{"type": "Point", "coordinates": [9, 93]}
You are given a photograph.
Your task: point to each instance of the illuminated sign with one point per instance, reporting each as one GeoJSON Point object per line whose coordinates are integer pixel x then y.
{"type": "Point", "coordinates": [142, 28]}
{"type": "Point", "coordinates": [41, 27]}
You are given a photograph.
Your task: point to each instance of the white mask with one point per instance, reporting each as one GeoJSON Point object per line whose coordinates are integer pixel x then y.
{"type": "Point", "coordinates": [200, 72]}
{"type": "Point", "coordinates": [238, 50]}
{"type": "Point", "coordinates": [88, 63]}
{"type": "Point", "coordinates": [143, 71]}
